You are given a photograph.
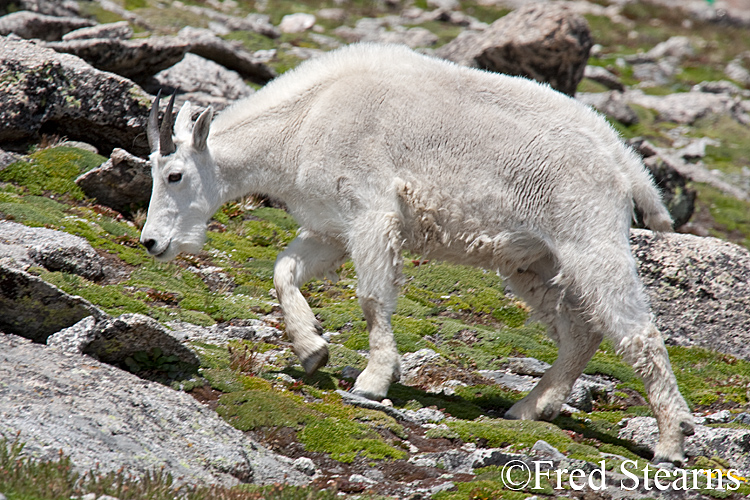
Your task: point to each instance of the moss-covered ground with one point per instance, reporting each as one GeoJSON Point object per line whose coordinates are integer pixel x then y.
{"type": "Point", "coordinates": [461, 313]}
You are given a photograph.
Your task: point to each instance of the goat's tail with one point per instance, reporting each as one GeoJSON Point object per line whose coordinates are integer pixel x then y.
{"type": "Point", "coordinates": [648, 200]}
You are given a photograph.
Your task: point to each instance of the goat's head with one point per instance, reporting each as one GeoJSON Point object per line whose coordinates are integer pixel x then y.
{"type": "Point", "coordinates": [185, 189]}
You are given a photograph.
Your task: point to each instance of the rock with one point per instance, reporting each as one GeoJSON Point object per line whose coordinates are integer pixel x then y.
{"type": "Point", "coordinates": [356, 400]}
{"type": "Point", "coordinates": [677, 196]}
{"type": "Point", "coordinates": [654, 74]}
{"type": "Point", "coordinates": [34, 25]}
{"type": "Point", "coordinates": [520, 383]}
{"type": "Point", "coordinates": [587, 389]}
{"type": "Point", "coordinates": [425, 415]}
{"type": "Point", "coordinates": [413, 362]}
{"type": "Point", "coordinates": [297, 23]}
{"type": "Point", "coordinates": [59, 8]}
{"type": "Point", "coordinates": [64, 95]}
{"type": "Point", "coordinates": [736, 69]}
{"type": "Point", "coordinates": [603, 77]}
{"type": "Point", "coordinates": [305, 466]}
{"type": "Point", "coordinates": [386, 30]}
{"type": "Point", "coordinates": [699, 289]}
{"type": "Point", "coordinates": [722, 87]}
{"type": "Point", "coordinates": [527, 366]}
{"type": "Point", "coordinates": [697, 148]}
{"type": "Point", "coordinates": [35, 309]}
{"type": "Point", "coordinates": [230, 55]}
{"type": "Point", "coordinates": [544, 449]}
{"type": "Point", "coordinates": [732, 445]}
{"type": "Point", "coordinates": [255, 22]}
{"type": "Point", "coordinates": [676, 48]}
{"type": "Point", "coordinates": [545, 42]}
{"type": "Point", "coordinates": [53, 250]}
{"type": "Point", "coordinates": [8, 158]}
{"type": "Point", "coordinates": [103, 417]}
{"type": "Point", "coordinates": [612, 104]}
{"type": "Point", "coordinates": [133, 59]}
{"type": "Point", "coordinates": [113, 340]}
{"type": "Point", "coordinates": [119, 31]}
{"type": "Point", "coordinates": [685, 107]}
{"type": "Point", "coordinates": [201, 82]}
{"type": "Point", "coordinates": [221, 334]}
{"type": "Point", "coordinates": [123, 182]}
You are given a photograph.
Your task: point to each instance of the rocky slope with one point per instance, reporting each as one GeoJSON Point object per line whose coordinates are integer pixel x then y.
{"type": "Point", "coordinates": [184, 368]}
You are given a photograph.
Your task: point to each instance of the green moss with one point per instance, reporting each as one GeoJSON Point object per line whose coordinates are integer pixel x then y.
{"type": "Point", "coordinates": [345, 440]}
{"type": "Point", "coordinates": [253, 409]}
{"type": "Point", "coordinates": [340, 356]}
{"type": "Point", "coordinates": [53, 170]}
{"type": "Point", "coordinates": [519, 434]}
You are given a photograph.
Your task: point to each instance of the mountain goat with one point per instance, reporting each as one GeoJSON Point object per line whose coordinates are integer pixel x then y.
{"type": "Point", "coordinates": [377, 149]}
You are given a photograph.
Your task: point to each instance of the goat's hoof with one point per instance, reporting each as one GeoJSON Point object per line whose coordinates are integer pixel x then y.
{"type": "Point", "coordinates": [368, 395]}
{"type": "Point", "coordinates": [660, 460]}
{"type": "Point", "coordinates": [315, 360]}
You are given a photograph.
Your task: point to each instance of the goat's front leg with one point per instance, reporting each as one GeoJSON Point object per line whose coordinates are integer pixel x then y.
{"type": "Point", "coordinates": [376, 252]}
{"type": "Point", "coordinates": [305, 258]}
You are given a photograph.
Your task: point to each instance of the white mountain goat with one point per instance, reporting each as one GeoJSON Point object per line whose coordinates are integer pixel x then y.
{"type": "Point", "coordinates": [376, 149]}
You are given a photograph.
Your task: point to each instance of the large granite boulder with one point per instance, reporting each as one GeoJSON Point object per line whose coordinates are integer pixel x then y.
{"type": "Point", "coordinates": [46, 92]}
{"type": "Point", "coordinates": [133, 59]}
{"type": "Point", "coordinates": [699, 289]}
{"type": "Point", "coordinates": [104, 417]}
{"type": "Point", "coordinates": [546, 42]}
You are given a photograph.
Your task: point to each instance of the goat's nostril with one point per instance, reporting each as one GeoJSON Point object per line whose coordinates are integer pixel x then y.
{"type": "Point", "coordinates": [149, 244]}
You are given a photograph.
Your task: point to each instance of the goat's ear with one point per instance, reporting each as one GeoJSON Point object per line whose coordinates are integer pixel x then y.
{"type": "Point", "coordinates": [183, 123]}
{"type": "Point", "coordinates": [202, 126]}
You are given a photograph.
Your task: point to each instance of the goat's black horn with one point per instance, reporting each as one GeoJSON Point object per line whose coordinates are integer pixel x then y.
{"type": "Point", "coordinates": [165, 132]}
{"type": "Point", "coordinates": [152, 128]}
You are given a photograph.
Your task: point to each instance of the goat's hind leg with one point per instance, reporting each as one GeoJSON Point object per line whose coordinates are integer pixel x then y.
{"type": "Point", "coordinates": [305, 258]}
{"type": "Point", "coordinates": [376, 253]}
{"type": "Point", "coordinates": [576, 340]}
{"type": "Point", "coordinates": [617, 303]}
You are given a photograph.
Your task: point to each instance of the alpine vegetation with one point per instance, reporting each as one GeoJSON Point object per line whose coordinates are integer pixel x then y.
{"type": "Point", "coordinates": [378, 150]}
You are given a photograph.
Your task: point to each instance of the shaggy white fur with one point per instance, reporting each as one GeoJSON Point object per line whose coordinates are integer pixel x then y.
{"type": "Point", "coordinates": [377, 149]}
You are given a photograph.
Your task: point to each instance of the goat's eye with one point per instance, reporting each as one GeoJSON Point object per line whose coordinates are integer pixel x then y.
{"type": "Point", "coordinates": [174, 177]}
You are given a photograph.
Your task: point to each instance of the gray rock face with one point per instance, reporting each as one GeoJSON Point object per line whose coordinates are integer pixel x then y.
{"type": "Point", "coordinates": [545, 42]}
{"type": "Point", "coordinates": [67, 96]}
{"type": "Point", "coordinates": [123, 182]}
{"type": "Point", "coordinates": [112, 340]}
{"type": "Point", "coordinates": [133, 59]}
{"type": "Point", "coordinates": [98, 414]}
{"type": "Point", "coordinates": [120, 31]}
{"type": "Point", "coordinates": [201, 82]}
{"type": "Point", "coordinates": [732, 445]}
{"type": "Point", "coordinates": [35, 309]}
{"type": "Point", "coordinates": [34, 25]}
{"type": "Point", "coordinates": [699, 289]}
{"type": "Point", "coordinates": [230, 55]}
{"type": "Point", "coordinates": [54, 250]}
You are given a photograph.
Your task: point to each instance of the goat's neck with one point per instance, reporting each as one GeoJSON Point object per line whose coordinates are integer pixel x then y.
{"type": "Point", "coordinates": [252, 162]}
